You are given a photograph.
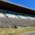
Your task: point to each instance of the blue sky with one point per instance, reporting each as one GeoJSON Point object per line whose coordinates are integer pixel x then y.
{"type": "Point", "coordinates": [27, 3]}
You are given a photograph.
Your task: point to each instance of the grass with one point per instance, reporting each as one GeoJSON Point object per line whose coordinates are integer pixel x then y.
{"type": "Point", "coordinates": [7, 31]}
{"type": "Point", "coordinates": [12, 31]}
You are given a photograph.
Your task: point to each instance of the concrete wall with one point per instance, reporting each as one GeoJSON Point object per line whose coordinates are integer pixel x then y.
{"type": "Point", "coordinates": [10, 22]}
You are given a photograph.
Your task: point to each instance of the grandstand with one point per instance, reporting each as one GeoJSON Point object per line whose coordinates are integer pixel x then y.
{"type": "Point", "coordinates": [7, 21]}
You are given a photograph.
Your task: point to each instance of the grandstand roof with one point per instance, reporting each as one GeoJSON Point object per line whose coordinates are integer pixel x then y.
{"type": "Point", "coordinates": [16, 8]}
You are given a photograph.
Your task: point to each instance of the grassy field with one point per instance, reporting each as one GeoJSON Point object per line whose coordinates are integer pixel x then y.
{"type": "Point", "coordinates": [12, 31]}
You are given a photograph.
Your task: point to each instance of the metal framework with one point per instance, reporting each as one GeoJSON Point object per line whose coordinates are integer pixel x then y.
{"type": "Point", "coordinates": [16, 8]}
